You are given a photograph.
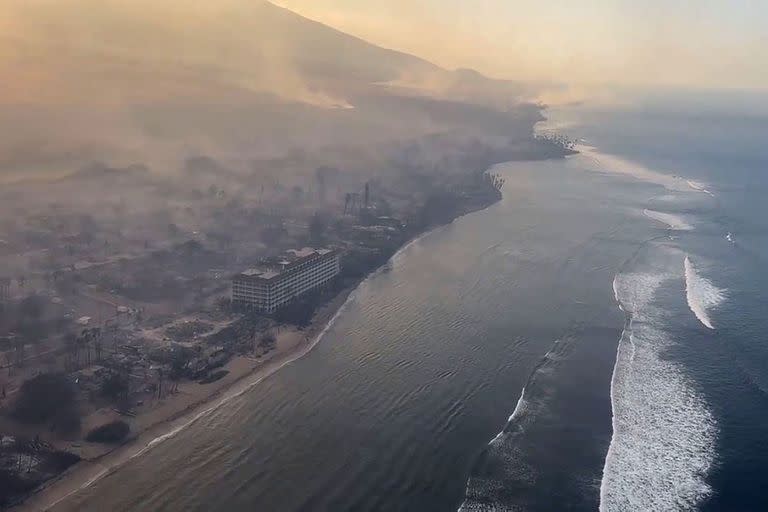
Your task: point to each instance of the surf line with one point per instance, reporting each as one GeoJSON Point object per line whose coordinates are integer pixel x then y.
{"type": "Point", "coordinates": [232, 394]}
{"type": "Point", "coordinates": [701, 294]}
{"type": "Point", "coordinates": [625, 335]}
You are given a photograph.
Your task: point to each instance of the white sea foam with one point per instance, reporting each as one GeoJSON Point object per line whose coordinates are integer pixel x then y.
{"type": "Point", "coordinates": [730, 238]}
{"type": "Point", "coordinates": [674, 222]}
{"type": "Point", "coordinates": [702, 295]}
{"type": "Point", "coordinates": [507, 457]}
{"type": "Point", "coordinates": [519, 411]}
{"type": "Point", "coordinates": [695, 185]}
{"type": "Point", "coordinates": [615, 164]}
{"type": "Point", "coordinates": [663, 432]}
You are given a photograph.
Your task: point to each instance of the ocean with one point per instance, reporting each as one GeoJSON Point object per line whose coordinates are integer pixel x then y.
{"type": "Point", "coordinates": [692, 432]}
{"type": "Point", "coordinates": [595, 340]}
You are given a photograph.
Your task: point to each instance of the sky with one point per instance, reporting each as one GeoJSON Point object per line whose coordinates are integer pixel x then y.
{"type": "Point", "coordinates": [688, 43]}
{"type": "Point", "coordinates": [77, 76]}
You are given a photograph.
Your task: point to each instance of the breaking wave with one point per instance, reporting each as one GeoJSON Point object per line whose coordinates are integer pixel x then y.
{"type": "Point", "coordinates": [700, 187]}
{"type": "Point", "coordinates": [519, 410]}
{"type": "Point", "coordinates": [672, 221]}
{"type": "Point", "coordinates": [702, 295]}
{"type": "Point", "coordinates": [663, 432]}
{"type": "Point", "coordinates": [504, 462]}
{"type": "Point", "coordinates": [617, 165]}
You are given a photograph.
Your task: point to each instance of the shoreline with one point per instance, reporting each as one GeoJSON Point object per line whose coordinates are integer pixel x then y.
{"type": "Point", "coordinates": [90, 470]}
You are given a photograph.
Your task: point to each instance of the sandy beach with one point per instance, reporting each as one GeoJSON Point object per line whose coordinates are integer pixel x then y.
{"type": "Point", "coordinates": [191, 402]}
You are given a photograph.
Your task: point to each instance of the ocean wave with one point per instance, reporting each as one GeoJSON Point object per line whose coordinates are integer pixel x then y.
{"type": "Point", "coordinates": [700, 187]}
{"type": "Point", "coordinates": [674, 222]}
{"type": "Point", "coordinates": [617, 165]}
{"type": "Point", "coordinates": [504, 461]}
{"type": "Point", "coordinates": [701, 294]}
{"type": "Point", "coordinates": [519, 410]}
{"type": "Point", "coordinates": [663, 432]}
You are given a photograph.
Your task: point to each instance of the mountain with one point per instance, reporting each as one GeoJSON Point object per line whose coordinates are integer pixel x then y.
{"type": "Point", "coordinates": [156, 82]}
{"type": "Point", "coordinates": [319, 51]}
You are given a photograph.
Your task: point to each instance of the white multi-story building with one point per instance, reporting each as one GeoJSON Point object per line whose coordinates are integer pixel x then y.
{"type": "Point", "coordinates": [273, 285]}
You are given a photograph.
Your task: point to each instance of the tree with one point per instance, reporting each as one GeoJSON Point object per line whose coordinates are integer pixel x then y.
{"type": "Point", "coordinates": [88, 338]}
{"type": "Point", "coordinates": [18, 348]}
{"type": "Point", "coordinates": [112, 432]}
{"type": "Point", "coordinates": [67, 420]}
{"type": "Point", "coordinates": [45, 397]}
{"type": "Point", "coordinates": [179, 361]}
{"type": "Point", "coordinates": [224, 304]}
{"type": "Point", "coordinates": [268, 340]}
{"type": "Point", "coordinates": [160, 373]}
{"type": "Point", "coordinates": [82, 342]}
{"type": "Point", "coordinates": [98, 346]}
{"type": "Point", "coordinates": [92, 336]}
{"type": "Point", "coordinates": [115, 386]}
{"type": "Point", "coordinates": [71, 347]}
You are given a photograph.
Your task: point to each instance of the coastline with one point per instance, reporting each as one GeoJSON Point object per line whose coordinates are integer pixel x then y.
{"type": "Point", "coordinates": [90, 470]}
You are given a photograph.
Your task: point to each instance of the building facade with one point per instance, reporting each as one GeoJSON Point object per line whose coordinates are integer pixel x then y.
{"type": "Point", "coordinates": [275, 284]}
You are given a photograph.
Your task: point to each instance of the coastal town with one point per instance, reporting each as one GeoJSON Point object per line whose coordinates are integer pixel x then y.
{"type": "Point", "coordinates": [383, 256]}
{"type": "Point", "coordinates": [117, 319]}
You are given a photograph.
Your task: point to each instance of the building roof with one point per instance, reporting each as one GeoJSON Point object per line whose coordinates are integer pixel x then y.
{"type": "Point", "coordinates": [262, 273]}
{"type": "Point", "coordinates": [288, 261]}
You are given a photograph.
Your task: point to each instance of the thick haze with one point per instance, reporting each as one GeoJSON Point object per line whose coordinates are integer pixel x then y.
{"type": "Point", "coordinates": [152, 82]}
{"type": "Point", "coordinates": [693, 43]}
{"type": "Point", "coordinates": [156, 82]}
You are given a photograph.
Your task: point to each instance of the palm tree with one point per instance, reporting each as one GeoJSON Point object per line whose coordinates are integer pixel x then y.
{"type": "Point", "coordinates": [19, 343]}
{"type": "Point", "coordinates": [71, 348]}
{"type": "Point", "coordinates": [82, 342]}
{"type": "Point", "coordinates": [87, 336]}
{"type": "Point", "coordinates": [160, 382]}
{"type": "Point", "coordinates": [98, 347]}
{"type": "Point", "coordinates": [95, 337]}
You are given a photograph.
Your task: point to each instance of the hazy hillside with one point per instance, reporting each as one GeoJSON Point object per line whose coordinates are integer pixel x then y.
{"type": "Point", "coordinates": [140, 82]}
